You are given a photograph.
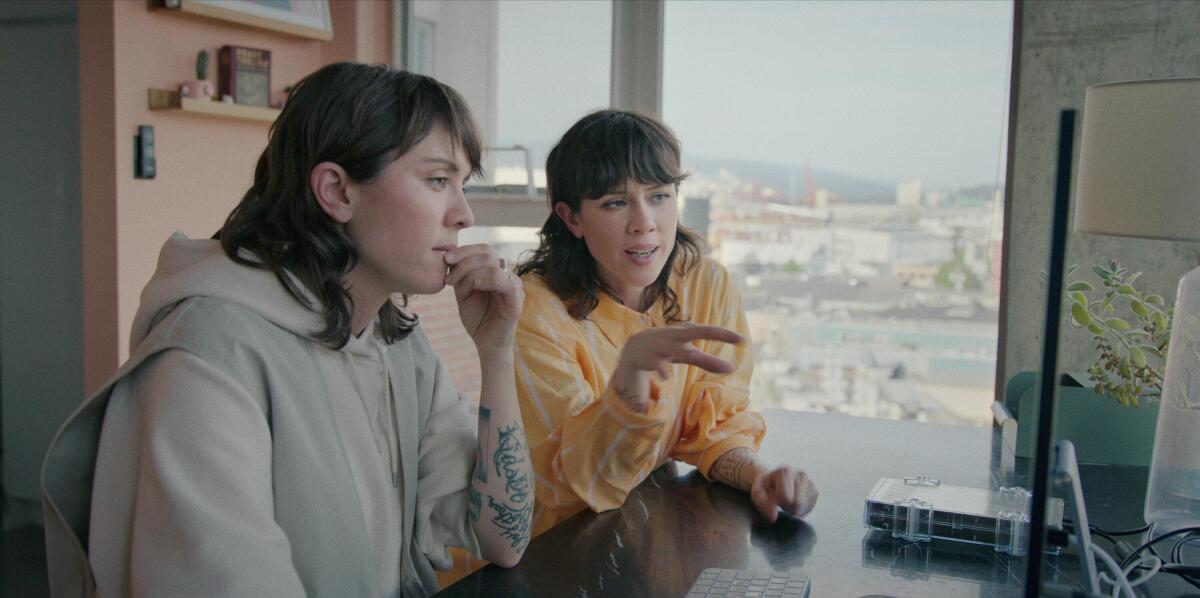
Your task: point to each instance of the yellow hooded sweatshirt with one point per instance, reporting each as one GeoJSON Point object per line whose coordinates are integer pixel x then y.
{"type": "Point", "coordinates": [589, 450]}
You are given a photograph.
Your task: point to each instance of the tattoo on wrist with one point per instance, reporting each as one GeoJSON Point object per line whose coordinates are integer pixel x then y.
{"type": "Point", "coordinates": [733, 467]}
{"type": "Point", "coordinates": [513, 516]}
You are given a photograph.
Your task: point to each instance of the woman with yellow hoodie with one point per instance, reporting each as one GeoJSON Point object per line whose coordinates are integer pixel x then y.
{"type": "Point", "coordinates": [631, 347]}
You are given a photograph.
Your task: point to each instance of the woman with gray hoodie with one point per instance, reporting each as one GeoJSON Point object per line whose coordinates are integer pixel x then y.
{"type": "Point", "coordinates": [282, 427]}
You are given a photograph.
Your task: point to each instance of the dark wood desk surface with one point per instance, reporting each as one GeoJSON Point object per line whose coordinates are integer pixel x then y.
{"type": "Point", "coordinates": [676, 524]}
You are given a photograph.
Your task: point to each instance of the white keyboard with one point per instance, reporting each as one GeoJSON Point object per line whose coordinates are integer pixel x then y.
{"type": "Point", "coordinates": [747, 584]}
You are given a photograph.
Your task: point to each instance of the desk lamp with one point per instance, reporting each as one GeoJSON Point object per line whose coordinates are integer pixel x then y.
{"type": "Point", "coordinates": [1139, 176]}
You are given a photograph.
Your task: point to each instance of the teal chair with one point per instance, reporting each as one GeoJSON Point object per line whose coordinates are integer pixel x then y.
{"type": "Point", "coordinates": [1102, 430]}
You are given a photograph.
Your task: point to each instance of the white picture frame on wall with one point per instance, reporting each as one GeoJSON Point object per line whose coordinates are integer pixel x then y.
{"type": "Point", "coordinates": [304, 18]}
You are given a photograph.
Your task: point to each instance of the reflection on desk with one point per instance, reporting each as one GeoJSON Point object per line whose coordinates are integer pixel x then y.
{"type": "Point", "coordinates": [676, 524]}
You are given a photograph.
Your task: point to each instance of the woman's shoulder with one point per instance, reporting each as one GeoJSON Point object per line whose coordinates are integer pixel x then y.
{"type": "Point", "coordinates": [708, 268]}
{"type": "Point", "coordinates": [703, 276]}
{"type": "Point", "coordinates": [538, 292]}
{"type": "Point", "coordinates": [535, 283]}
{"type": "Point", "coordinates": [215, 327]}
{"type": "Point", "coordinates": [543, 310]}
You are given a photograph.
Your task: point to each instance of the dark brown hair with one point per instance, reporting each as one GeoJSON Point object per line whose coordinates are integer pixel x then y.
{"type": "Point", "coordinates": [361, 118]}
{"type": "Point", "coordinates": [600, 152]}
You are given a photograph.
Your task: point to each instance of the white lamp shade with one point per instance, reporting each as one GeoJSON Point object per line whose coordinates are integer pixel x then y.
{"type": "Point", "coordinates": [1139, 160]}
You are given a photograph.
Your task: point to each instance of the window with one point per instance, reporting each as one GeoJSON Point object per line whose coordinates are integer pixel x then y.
{"type": "Point", "coordinates": [554, 67]}
{"type": "Point", "coordinates": [508, 59]}
{"type": "Point", "coordinates": [538, 42]}
{"type": "Point", "coordinates": [847, 168]}
{"type": "Point", "coordinates": [847, 162]}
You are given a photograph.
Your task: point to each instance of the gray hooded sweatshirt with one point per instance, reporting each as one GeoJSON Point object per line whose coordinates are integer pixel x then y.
{"type": "Point", "coordinates": [234, 455]}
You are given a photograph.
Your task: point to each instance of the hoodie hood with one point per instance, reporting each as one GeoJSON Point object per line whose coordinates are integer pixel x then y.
{"type": "Point", "coordinates": [199, 268]}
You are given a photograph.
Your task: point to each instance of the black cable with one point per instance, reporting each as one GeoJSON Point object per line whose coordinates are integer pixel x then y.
{"type": "Point", "coordinates": [1132, 556]}
{"type": "Point", "coordinates": [1188, 573]}
{"type": "Point", "coordinates": [1068, 526]}
{"type": "Point", "coordinates": [1125, 532]}
{"type": "Point", "coordinates": [1095, 529]}
{"type": "Point", "coordinates": [1190, 580]}
{"type": "Point", "coordinates": [1184, 570]}
{"type": "Point", "coordinates": [1177, 549]}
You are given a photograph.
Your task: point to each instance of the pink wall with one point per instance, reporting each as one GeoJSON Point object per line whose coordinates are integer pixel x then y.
{"type": "Point", "coordinates": [204, 164]}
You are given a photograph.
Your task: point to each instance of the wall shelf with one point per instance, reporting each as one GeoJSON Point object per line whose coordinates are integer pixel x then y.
{"type": "Point", "coordinates": [165, 99]}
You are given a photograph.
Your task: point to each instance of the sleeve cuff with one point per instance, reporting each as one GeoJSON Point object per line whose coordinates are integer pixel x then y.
{"type": "Point", "coordinates": [714, 452]}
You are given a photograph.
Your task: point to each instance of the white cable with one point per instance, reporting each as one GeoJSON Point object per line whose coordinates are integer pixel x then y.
{"type": "Point", "coordinates": [1155, 564]}
{"type": "Point", "coordinates": [1118, 581]}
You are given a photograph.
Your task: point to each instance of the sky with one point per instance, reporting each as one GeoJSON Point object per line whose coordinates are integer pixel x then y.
{"type": "Point", "coordinates": [890, 91]}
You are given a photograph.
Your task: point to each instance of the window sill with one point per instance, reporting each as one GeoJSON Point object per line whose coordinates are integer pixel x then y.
{"type": "Point", "coordinates": [507, 209]}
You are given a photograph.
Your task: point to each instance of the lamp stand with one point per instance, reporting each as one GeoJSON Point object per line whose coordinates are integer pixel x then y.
{"type": "Point", "coordinates": [1173, 495]}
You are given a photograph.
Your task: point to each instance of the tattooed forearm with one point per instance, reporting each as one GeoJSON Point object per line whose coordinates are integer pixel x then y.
{"type": "Point", "coordinates": [513, 516]}
{"type": "Point", "coordinates": [507, 460]}
{"type": "Point", "coordinates": [513, 522]}
{"type": "Point", "coordinates": [735, 468]}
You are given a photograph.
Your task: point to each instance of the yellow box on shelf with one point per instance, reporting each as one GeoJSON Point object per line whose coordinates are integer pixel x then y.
{"type": "Point", "coordinates": [165, 99]}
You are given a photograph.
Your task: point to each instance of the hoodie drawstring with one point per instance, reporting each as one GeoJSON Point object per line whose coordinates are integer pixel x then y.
{"type": "Point", "coordinates": [384, 425]}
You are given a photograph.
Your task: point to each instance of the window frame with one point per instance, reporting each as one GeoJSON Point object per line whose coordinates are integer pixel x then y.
{"type": "Point", "coordinates": [636, 84]}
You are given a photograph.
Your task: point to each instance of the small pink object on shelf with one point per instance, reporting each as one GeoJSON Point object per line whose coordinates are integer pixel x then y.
{"type": "Point", "coordinates": [197, 88]}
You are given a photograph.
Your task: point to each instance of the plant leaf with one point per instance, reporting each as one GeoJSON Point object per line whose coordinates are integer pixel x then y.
{"type": "Point", "coordinates": [1154, 300]}
{"type": "Point", "coordinates": [1138, 307]}
{"type": "Point", "coordinates": [1080, 315]}
{"type": "Point", "coordinates": [1117, 324]}
{"type": "Point", "coordinates": [1138, 356]}
{"type": "Point", "coordinates": [1081, 286]}
{"type": "Point", "coordinates": [1125, 289]}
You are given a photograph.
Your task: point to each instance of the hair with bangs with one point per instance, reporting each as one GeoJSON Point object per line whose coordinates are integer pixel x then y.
{"type": "Point", "coordinates": [361, 118]}
{"type": "Point", "coordinates": [596, 155]}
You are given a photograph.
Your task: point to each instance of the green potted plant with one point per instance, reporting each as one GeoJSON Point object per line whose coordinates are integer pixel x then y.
{"type": "Point", "coordinates": [1109, 411]}
{"type": "Point", "coordinates": [200, 87]}
{"type": "Point", "coordinates": [1130, 330]}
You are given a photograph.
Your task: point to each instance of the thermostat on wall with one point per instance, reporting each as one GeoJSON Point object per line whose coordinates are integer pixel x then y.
{"type": "Point", "coordinates": [143, 153]}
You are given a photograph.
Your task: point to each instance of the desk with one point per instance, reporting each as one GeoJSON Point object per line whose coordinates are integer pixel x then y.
{"type": "Point", "coordinates": [675, 524]}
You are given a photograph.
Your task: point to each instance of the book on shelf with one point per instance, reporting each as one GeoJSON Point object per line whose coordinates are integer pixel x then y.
{"type": "Point", "coordinates": [245, 75]}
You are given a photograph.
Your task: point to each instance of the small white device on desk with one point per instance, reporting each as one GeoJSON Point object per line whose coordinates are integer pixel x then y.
{"type": "Point", "coordinates": [921, 509]}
